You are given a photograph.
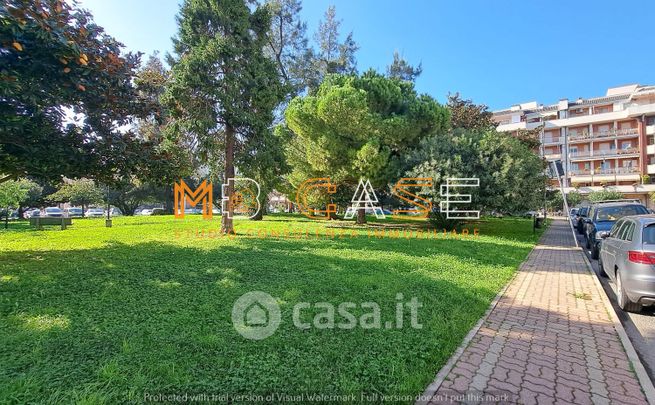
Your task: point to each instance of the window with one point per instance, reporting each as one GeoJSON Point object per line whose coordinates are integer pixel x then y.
{"type": "Point", "coordinates": [622, 231]}
{"type": "Point", "coordinates": [650, 140]}
{"type": "Point", "coordinates": [629, 232]}
{"type": "Point", "coordinates": [614, 213]}
{"type": "Point", "coordinates": [615, 229]}
{"type": "Point", "coordinates": [649, 234]}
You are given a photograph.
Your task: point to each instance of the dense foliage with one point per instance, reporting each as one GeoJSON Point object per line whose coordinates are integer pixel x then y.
{"type": "Point", "coordinates": [223, 88]}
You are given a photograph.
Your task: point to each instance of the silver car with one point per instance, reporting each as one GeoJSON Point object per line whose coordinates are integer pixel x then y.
{"type": "Point", "coordinates": [627, 256]}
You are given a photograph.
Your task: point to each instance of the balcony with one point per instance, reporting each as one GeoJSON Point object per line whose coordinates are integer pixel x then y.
{"type": "Point", "coordinates": [616, 152]}
{"type": "Point", "coordinates": [580, 172]}
{"type": "Point", "coordinates": [604, 172]}
{"type": "Point", "coordinates": [585, 135]}
{"type": "Point", "coordinates": [552, 140]}
{"type": "Point", "coordinates": [552, 156]}
{"type": "Point", "coordinates": [580, 154]}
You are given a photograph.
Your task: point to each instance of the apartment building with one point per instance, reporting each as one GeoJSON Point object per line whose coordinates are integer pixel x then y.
{"type": "Point", "coordinates": [605, 141]}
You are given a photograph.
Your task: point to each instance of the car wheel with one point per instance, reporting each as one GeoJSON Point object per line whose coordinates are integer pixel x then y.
{"type": "Point", "coordinates": [594, 251]}
{"type": "Point", "coordinates": [622, 298]}
{"type": "Point", "coordinates": [601, 268]}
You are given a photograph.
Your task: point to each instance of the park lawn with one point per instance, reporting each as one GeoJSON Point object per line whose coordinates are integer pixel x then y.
{"type": "Point", "coordinates": [103, 315]}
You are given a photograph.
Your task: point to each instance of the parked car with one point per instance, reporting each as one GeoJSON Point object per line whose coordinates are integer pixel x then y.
{"type": "Point", "coordinates": [94, 213]}
{"type": "Point", "coordinates": [602, 217]}
{"type": "Point", "coordinates": [32, 212]}
{"type": "Point", "coordinates": [578, 223]}
{"type": "Point", "coordinates": [13, 214]}
{"type": "Point", "coordinates": [572, 214]}
{"type": "Point", "coordinates": [157, 211]}
{"type": "Point", "coordinates": [74, 212]}
{"type": "Point", "coordinates": [115, 212]}
{"type": "Point", "coordinates": [627, 256]}
{"type": "Point", "coordinates": [54, 212]}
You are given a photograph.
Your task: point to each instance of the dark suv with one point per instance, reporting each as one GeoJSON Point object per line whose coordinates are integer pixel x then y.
{"type": "Point", "coordinates": [578, 221]}
{"type": "Point", "coordinates": [602, 217]}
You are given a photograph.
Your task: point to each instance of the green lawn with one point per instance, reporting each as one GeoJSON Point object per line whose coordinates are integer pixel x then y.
{"type": "Point", "coordinates": [95, 314]}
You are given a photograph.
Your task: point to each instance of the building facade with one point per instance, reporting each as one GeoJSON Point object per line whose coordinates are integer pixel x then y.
{"type": "Point", "coordinates": [602, 142]}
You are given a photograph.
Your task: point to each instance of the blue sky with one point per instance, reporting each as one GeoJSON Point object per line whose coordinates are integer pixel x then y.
{"type": "Point", "coordinates": [495, 52]}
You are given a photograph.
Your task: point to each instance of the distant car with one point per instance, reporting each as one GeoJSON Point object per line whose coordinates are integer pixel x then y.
{"type": "Point", "coordinates": [54, 212]}
{"type": "Point", "coordinates": [627, 256]}
{"type": "Point", "coordinates": [94, 213]}
{"type": "Point", "coordinates": [157, 211]}
{"type": "Point", "coordinates": [11, 213]}
{"type": "Point", "coordinates": [146, 211]}
{"type": "Point", "coordinates": [578, 223]}
{"type": "Point", "coordinates": [74, 212]}
{"type": "Point", "coordinates": [115, 212]}
{"type": "Point", "coordinates": [34, 212]}
{"type": "Point", "coordinates": [602, 217]}
{"type": "Point", "coordinates": [572, 214]}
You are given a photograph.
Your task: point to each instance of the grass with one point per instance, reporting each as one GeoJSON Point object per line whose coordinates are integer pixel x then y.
{"type": "Point", "coordinates": [103, 315]}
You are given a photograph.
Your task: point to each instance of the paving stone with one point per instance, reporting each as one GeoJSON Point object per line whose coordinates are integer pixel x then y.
{"type": "Point", "coordinates": [543, 345]}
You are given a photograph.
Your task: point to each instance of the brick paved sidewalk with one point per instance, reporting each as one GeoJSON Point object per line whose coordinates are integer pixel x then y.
{"type": "Point", "coordinates": [548, 340]}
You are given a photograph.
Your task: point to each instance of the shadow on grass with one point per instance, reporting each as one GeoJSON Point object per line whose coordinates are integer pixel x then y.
{"type": "Point", "coordinates": [114, 323]}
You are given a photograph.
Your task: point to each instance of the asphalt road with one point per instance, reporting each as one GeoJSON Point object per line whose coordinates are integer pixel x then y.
{"type": "Point", "coordinates": [640, 327]}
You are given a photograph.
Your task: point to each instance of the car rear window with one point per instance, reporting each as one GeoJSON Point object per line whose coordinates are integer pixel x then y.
{"type": "Point", "coordinates": [649, 235]}
{"type": "Point", "coordinates": [614, 213]}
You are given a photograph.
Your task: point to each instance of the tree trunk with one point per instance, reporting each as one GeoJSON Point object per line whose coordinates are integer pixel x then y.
{"type": "Point", "coordinates": [361, 216]}
{"type": "Point", "coordinates": [227, 225]}
{"type": "Point", "coordinates": [260, 214]}
{"type": "Point", "coordinates": [21, 212]}
{"type": "Point", "coordinates": [7, 218]}
{"type": "Point", "coordinates": [6, 178]}
{"type": "Point", "coordinates": [263, 206]}
{"type": "Point", "coordinates": [168, 196]}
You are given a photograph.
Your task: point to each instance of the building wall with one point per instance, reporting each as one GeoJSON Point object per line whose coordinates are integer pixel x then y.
{"type": "Point", "coordinates": [602, 142]}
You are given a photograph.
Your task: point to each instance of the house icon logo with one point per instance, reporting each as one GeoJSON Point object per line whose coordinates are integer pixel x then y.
{"type": "Point", "coordinates": [256, 315]}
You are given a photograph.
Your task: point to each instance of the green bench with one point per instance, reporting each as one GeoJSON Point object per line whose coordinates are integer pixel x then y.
{"type": "Point", "coordinates": [38, 222]}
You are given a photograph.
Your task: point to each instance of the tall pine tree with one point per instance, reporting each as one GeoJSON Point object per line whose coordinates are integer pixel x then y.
{"type": "Point", "coordinates": [223, 87]}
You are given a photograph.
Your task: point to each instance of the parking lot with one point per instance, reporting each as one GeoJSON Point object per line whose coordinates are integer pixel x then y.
{"type": "Point", "coordinates": [640, 327]}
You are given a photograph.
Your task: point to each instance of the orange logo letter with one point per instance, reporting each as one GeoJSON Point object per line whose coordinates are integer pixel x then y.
{"type": "Point", "coordinates": [401, 190]}
{"type": "Point", "coordinates": [182, 194]}
{"type": "Point", "coordinates": [301, 197]}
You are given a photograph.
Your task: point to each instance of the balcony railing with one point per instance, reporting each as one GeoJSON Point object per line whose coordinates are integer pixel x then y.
{"type": "Point", "coordinates": [582, 153]}
{"type": "Point", "coordinates": [604, 153]}
{"type": "Point", "coordinates": [599, 171]}
{"type": "Point", "coordinates": [552, 140]}
{"type": "Point", "coordinates": [603, 134]}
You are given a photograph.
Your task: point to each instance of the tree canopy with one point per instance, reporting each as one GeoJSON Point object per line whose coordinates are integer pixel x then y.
{"type": "Point", "coordinates": [58, 64]}
{"type": "Point", "coordinates": [359, 127]}
{"type": "Point", "coordinates": [223, 88]}
{"type": "Point", "coordinates": [401, 69]}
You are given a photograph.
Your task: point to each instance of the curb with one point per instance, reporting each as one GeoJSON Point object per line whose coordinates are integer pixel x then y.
{"type": "Point", "coordinates": [639, 370]}
{"type": "Point", "coordinates": [432, 389]}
